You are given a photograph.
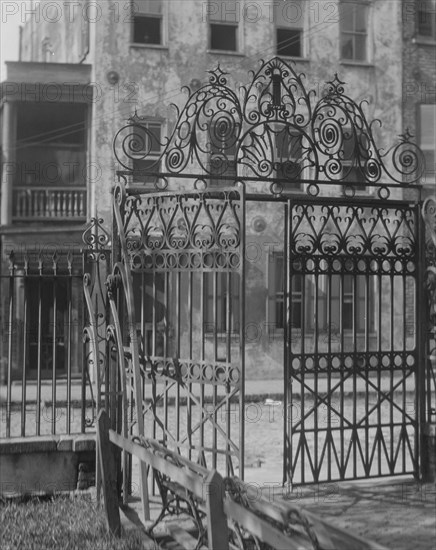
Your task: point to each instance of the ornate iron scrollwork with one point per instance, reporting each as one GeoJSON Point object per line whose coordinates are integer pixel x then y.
{"type": "Point", "coordinates": [97, 239]}
{"type": "Point", "coordinates": [332, 230]}
{"type": "Point", "coordinates": [274, 131]}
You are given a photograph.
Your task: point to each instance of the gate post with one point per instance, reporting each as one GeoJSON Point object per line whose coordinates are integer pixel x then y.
{"type": "Point", "coordinates": [96, 262]}
{"type": "Point", "coordinates": [428, 340]}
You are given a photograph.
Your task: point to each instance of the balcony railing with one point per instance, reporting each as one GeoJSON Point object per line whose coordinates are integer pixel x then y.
{"type": "Point", "coordinates": [48, 203]}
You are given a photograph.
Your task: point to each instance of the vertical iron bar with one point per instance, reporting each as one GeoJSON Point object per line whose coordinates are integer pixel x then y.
{"type": "Point", "coordinates": [38, 388]}
{"type": "Point", "coordinates": [69, 348]}
{"type": "Point", "coordinates": [302, 275]}
{"type": "Point", "coordinates": [287, 344]}
{"type": "Point", "coordinates": [10, 344]}
{"type": "Point", "coordinates": [403, 368]}
{"type": "Point", "coordinates": [178, 317]}
{"type": "Point", "coordinates": [143, 339]}
{"type": "Point", "coordinates": [316, 370]}
{"type": "Point", "coordinates": [166, 321]}
{"type": "Point", "coordinates": [242, 251]}
{"type": "Point", "coordinates": [329, 355]}
{"type": "Point", "coordinates": [355, 290]}
{"type": "Point", "coordinates": [421, 457]}
{"type": "Point", "coordinates": [391, 370]}
{"type": "Point", "coordinates": [83, 387]}
{"type": "Point", "coordinates": [53, 384]}
{"type": "Point", "coordinates": [203, 303]}
{"type": "Point", "coordinates": [367, 359]}
{"type": "Point", "coordinates": [190, 335]}
{"type": "Point", "coordinates": [343, 355]}
{"type": "Point", "coordinates": [153, 348]}
{"type": "Point", "coordinates": [228, 361]}
{"type": "Point", "coordinates": [229, 288]}
{"type": "Point", "coordinates": [287, 350]}
{"type": "Point", "coordinates": [25, 359]}
{"type": "Point", "coordinates": [216, 299]}
{"type": "Point", "coordinates": [379, 365]}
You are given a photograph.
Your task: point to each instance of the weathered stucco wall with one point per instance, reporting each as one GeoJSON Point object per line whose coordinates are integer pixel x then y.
{"type": "Point", "coordinates": [150, 79]}
{"type": "Point", "coordinates": [57, 32]}
{"type": "Point", "coordinates": [419, 75]}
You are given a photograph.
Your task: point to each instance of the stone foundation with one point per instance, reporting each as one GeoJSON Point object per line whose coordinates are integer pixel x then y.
{"type": "Point", "coordinates": [46, 465]}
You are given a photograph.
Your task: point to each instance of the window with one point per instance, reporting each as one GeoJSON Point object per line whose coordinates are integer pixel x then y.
{"type": "Point", "coordinates": [288, 157]}
{"type": "Point", "coordinates": [151, 313]}
{"type": "Point", "coordinates": [277, 281]}
{"type": "Point", "coordinates": [426, 19]}
{"type": "Point", "coordinates": [341, 299]}
{"type": "Point", "coordinates": [427, 139]}
{"type": "Point", "coordinates": [351, 171]}
{"type": "Point", "coordinates": [224, 25]}
{"type": "Point", "coordinates": [348, 303]}
{"type": "Point", "coordinates": [222, 154]}
{"type": "Point", "coordinates": [354, 31]}
{"type": "Point", "coordinates": [289, 19]}
{"type": "Point", "coordinates": [147, 22]}
{"type": "Point", "coordinates": [149, 139]}
{"type": "Point", "coordinates": [301, 296]}
{"type": "Point", "coordinates": [221, 302]}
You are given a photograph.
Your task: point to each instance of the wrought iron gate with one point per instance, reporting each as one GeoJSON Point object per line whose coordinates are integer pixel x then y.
{"type": "Point", "coordinates": [355, 361]}
{"type": "Point", "coordinates": [353, 266]}
{"type": "Point", "coordinates": [180, 255]}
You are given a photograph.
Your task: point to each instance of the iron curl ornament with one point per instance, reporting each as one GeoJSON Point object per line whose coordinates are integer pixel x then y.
{"type": "Point", "coordinates": [273, 131]}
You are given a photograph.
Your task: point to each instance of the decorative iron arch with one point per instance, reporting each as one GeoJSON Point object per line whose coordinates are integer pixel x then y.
{"type": "Point", "coordinates": [216, 127]}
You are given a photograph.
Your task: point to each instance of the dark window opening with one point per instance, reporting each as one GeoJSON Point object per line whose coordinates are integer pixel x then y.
{"type": "Point", "coordinates": [53, 341]}
{"type": "Point", "coordinates": [221, 300]}
{"type": "Point", "coordinates": [51, 145]}
{"type": "Point", "coordinates": [277, 290]}
{"type": "Point", "coordinates": [148, 151]}
{"type": "Point", "coordinates": [289, 42]}
{"type": "Point", "coordinates": [353, 31]}
{"type": "Point", "coordinates": [223, 37]}
{"type": "Point", "coordinates": [427, 139]}
{"type": "Point", "coordinates": [426, 19]}
{"type": "Point", "coordinates": [348, 303]}
{"type": "Point", "coordinates": [288, 156]}
{"type": "Point", "coordinates": [222, 158]}
{"type": "Point", "coordinates": [150, 310]}
{"type": "Point", "coordinates": [352, 148]}
{"type": "Point", "coordinates": [147, 30]}
{"type": "Point", "coordinates": [51, 123]}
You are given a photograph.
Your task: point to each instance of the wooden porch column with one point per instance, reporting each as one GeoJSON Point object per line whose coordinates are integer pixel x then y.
{"type": "Point", "coordinates": [9, 138]}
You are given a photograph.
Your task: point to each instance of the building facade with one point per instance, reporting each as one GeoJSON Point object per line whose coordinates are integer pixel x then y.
{"type": "Point", "coordinates": [86, 68]}
{"type": "Point", "coordinates": [419, 79]}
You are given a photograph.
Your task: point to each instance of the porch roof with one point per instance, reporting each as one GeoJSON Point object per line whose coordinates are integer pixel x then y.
{"type": "Point", "coordinates": [52, 82]}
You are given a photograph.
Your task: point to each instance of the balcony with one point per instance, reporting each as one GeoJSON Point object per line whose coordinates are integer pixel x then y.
{"type": "Point", "coordinates": [49, 203]}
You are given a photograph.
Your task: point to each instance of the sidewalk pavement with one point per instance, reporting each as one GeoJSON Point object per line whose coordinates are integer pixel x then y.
{"type": "Point", "coordinates": [255, 390]}
{"type": "Point", "coordinates": [398, 513]}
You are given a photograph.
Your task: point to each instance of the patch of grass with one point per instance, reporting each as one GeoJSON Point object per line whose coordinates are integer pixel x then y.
{"type": "Point", "coordinates": [59, 523]}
